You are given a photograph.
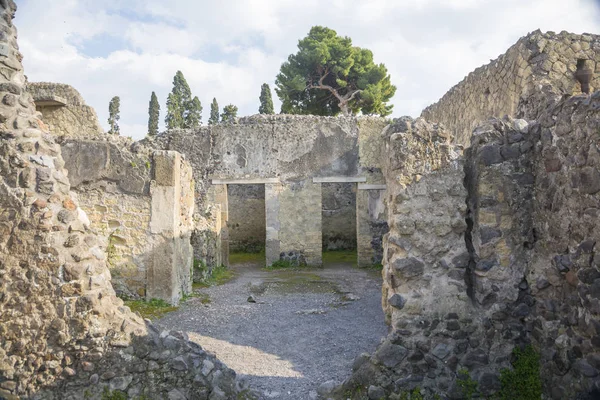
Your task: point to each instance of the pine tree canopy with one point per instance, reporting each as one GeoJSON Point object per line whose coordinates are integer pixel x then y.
{"type": "Point", "coordinates": [328, 76]}
{"type": "Point", "coordinates": [229, 113]}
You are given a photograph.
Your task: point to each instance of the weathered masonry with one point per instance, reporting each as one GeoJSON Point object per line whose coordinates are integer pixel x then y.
{"type": "Point", "coordinates": [63, 332]}
{"type": "Point", "coordinates": [64, 110]}
{"type": "Point", "coordinates": [143, 204]}
{"type": "Point", "coordinates": [291, 157]}
{"type": "Point", "coordinates": [492, 242]}
{"type": "Point", "coordinates": [535, 72]}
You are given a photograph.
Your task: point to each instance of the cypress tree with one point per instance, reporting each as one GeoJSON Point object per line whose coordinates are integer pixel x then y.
{"type": "Point", "coordinates": [178, 102]}
{"type": "Point", "coordinates": [153, 115]}
{"type": "Point", "coordinates": [266, 101]}
{"type": "Point", "coordinates": [114, 115]}
{"type": "Point", "coordinates": [193, 117]}
{"type": "Point", "coordinates": [229, 113]}
{"type": "Point", "coordinates": [214, 113]}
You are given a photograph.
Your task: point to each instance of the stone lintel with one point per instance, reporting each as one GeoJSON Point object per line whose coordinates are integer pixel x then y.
{"type": "Point", "coordinates": [339, 179]}
{"type": "Point", "coordinates": [250, 181]}
{"type": "Point", "coordinates": [49, 100]}
{"type": "Point", "coordinates": [367, 186]}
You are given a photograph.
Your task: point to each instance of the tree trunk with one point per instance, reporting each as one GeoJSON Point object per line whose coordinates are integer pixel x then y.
{"type": "Point", "coordinates": [343, 105]}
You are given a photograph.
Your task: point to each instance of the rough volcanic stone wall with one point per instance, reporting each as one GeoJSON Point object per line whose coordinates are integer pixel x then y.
{"type": "Point", "coordinates": [450, 307]}
{"type": "Point", "coordinates": [565, 271]}
{"type": "Point", "coordinates": [536, 71]}
{"type": "Point", "coordinates": [371, 221]}
{"type": "Point", "coordinates": [246, 218]}
{"type": "Point", "coordinates": [425, 249]}
{"type": "Point", "coordinates": [63, 332]}
{"type": "Point", "coordinates": [113, 188]}
{"type": "Point", "coordinates": [74, 119]}
{"type": "Point", "coordinates": [500, 182]}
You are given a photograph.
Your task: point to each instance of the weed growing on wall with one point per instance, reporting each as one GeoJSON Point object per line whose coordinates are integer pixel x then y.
{"type": "Point", "coordinates": [415, 394]}
{"type": "Point", "coordinates": [113, 395]}
{"type": "Point", "coordinates": [468, 385]}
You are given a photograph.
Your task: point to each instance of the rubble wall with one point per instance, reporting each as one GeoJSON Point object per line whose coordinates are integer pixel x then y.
{"type": "Point", "coordinates": [72, 119]}
{"type": "Point", "coordinates": [339, 216]}
{"type": "Point", "coordinates": [126, 200]}
{"type": "Point", "coordinates": [535, 72]}
{"type": "Point", "coordinates": [564, 272]}
{"type": "Point", "coordinates": [63, 332]}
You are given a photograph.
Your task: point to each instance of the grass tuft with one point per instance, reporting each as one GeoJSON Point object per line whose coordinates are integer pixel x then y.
{"type": "Point", "coordinates": [247, 258]}
{"type": "Point", "coordinates": [151, 309]}
{"type": "Point", "coordinates": [282, 264]}
{"type": "Point", "coordinates": [219, 276]}
{"type": "Point", "coordinates": [339, 256]}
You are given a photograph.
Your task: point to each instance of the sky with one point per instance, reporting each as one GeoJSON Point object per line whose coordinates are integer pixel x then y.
{"type": "Point", "coordinates": [226, 49]}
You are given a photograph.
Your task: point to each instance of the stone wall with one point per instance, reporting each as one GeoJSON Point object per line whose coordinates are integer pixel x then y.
{"type": "Point", "coordinates": [564, 272]}
{"type": "Point", "coordinates": [535, 72]}
{"type": "Point", "coordinates": [209, 236]}
{"type": "Point", "coordinates": [64, 110]}
{"type": "Point", "coordinates": [63, 332]}
{"type": "Point", "coordinates": [287, 149]}
{"type": "Point", "coordinates": [465, 284]}
{"type": "Point", "coordinates": [142, 212]}
{"type": "Point", "coordinates": [246, 218]}
{"type": "Point", "coordinates": [371, 222]}
{"type": "Point", "coordinates": [455, 273]}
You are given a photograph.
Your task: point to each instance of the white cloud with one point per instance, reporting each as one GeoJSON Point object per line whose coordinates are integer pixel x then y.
{"type": "Point", "coordinates": [227, 49]}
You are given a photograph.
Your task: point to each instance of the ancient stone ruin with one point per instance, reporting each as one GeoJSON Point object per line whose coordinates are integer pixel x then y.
{"type": "Point", "coordinates": [483, 213]}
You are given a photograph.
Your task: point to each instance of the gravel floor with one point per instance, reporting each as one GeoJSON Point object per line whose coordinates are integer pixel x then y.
{"type": "Point", "coordinates": [305, 328]}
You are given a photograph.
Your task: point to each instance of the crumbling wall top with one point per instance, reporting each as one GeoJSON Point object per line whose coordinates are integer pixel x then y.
{"type": "Point", "coordinates": [41, 91]}
{"type": "Point", "coordinates": [533, 73]}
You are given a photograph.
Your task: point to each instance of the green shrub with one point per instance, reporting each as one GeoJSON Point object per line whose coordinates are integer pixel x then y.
{"type": "Point", "coordinates": [415, 394]}
{"type": "Point", "coordinates": [282, 264]}
{"type": "Point", "coordinates": [467, 385]}
{"type": "Point", "coordinates": [523, 381]}
{"type": "Point", "coordinates": [113, 395]}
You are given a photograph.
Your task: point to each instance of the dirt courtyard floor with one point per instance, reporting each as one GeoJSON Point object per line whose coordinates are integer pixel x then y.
{"type": "Point", "coordinates": [305, 328]}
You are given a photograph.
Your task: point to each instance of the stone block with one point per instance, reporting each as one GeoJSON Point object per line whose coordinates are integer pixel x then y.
{"type": "Point", "coordinates": [166, 167]}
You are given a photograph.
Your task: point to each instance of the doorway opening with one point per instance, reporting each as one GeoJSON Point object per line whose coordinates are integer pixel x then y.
{"type": "Point", "coordinates": [246, 224]}
{"type": "Point", "coordinates": [339, 223]}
